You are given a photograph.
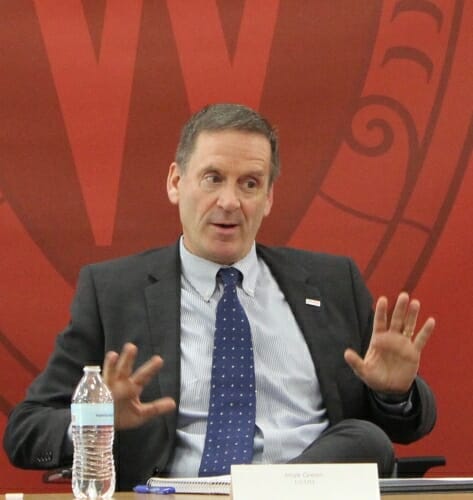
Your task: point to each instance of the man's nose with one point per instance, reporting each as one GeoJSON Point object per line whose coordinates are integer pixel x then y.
{"type": "Point", "coordinates": [228, 198]}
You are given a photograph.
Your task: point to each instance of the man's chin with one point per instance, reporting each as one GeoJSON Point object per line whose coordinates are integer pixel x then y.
{"type": "Point", "coordinates": [226, 254]}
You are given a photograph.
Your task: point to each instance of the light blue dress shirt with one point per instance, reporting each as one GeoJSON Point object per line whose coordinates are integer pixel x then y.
{"type": "Point", "coordinates": [290, 413]}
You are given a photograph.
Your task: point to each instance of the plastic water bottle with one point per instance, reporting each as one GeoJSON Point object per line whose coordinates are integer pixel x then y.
{"type": "Point", "coordinates": [93, 468]}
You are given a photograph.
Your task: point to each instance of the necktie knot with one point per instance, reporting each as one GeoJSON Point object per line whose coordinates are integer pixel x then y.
{"type": "Point", "coordinates": [230, 276]}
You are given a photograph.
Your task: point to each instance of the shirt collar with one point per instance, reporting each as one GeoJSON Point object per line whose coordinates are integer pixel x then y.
{"type": "Point", "coordinates": [201, 273]}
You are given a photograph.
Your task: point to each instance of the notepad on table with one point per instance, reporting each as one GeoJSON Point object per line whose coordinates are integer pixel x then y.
{"type": "Point", "coordinates": [422, 484]}
{"type": "Point", "coordinates": [213, 485]}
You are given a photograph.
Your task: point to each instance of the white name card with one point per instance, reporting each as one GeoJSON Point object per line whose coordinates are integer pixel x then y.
{"type": "Point", "coordinates": [305, 482]}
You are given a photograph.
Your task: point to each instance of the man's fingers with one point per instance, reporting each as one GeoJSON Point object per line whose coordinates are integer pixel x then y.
{"type": "Point", "coordinates": [124, 366]}
{"type": "Point", "coordinates": [399, 313]}
{"type": "Point", "coordinates": [354, 360]}
{"type": "Point", "coordinates": [147, 370]}
{"type": "Point", "coordinates": [424, 334]}
{"type": "Point", "coordinates": [157, 407]}
{"type": "Point", "coordinates": [139, 413]}
{"type": "Point", "coordinates": [118, 375]}
{"type": "Point", "coordinates": [163, 405]}
{"type": "Point", "coordinates": [380, 315]}
{"type": "Point", "coordinates": [110, 361]}
{"type": "Point", "coordinates": [411, 318]}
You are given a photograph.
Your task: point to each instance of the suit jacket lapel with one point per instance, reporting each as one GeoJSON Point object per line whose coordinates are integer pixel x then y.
{"type": "Point", "coordinates": [298, 284]}
{"type": "Point", "coordinates": [163, 303]}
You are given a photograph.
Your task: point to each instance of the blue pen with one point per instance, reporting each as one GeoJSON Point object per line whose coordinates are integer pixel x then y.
{"type": "Point", "coordinates": [160, 490]}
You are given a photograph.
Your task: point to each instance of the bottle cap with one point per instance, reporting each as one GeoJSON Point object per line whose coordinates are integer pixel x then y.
{"type": "Point", "coordinates": [92, 368]}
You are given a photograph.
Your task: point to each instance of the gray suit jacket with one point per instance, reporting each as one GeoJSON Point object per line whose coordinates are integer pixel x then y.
{"type": "Point", "coordinates": [137, 299]}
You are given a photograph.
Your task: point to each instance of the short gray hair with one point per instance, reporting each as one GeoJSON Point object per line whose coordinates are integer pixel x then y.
{"type": "Point", "coordinates": [227, 116]}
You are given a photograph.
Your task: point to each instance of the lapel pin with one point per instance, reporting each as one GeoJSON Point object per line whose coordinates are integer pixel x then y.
{"type": "Point", "coordinates": [312, 302]}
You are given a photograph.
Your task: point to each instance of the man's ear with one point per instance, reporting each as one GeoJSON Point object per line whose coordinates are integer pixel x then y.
{"type": "Point", "coordinates": [172, 184]}
{"type": "Point", "coordinates": [269, 201]}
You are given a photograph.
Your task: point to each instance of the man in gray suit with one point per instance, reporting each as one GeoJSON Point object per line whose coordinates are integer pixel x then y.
{"type": "Point", "coordinates": [335, 380]}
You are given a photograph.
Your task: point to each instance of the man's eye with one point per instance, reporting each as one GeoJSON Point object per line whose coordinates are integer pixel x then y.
{"type": "Point", "coordinates": [210, 181]}
{"type": "Point", "coordinates": [212, 178]}
{"type": "Point", "coordinates": [250, 185]}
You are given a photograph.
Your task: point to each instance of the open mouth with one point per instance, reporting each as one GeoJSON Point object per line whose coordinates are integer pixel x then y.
{"type": "Point", "coordinates": [225, 227]}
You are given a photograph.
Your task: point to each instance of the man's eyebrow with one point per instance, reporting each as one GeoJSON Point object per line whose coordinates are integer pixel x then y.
{"type": "Point", "coordinates": [210, 168]}
{"type": "Point", "coordinates": [257, 173]}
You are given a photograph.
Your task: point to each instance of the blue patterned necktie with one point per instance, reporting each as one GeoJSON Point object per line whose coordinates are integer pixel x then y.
{"type": "Point", "coordinates": [232, 406]}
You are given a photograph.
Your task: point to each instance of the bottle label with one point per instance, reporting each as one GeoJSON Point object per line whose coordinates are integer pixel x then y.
{"type": "Point", "coordinates": [92, 414]}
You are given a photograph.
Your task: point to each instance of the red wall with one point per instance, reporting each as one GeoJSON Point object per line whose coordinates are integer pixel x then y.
{"type": "Point", "coordinates": [373, 102]}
